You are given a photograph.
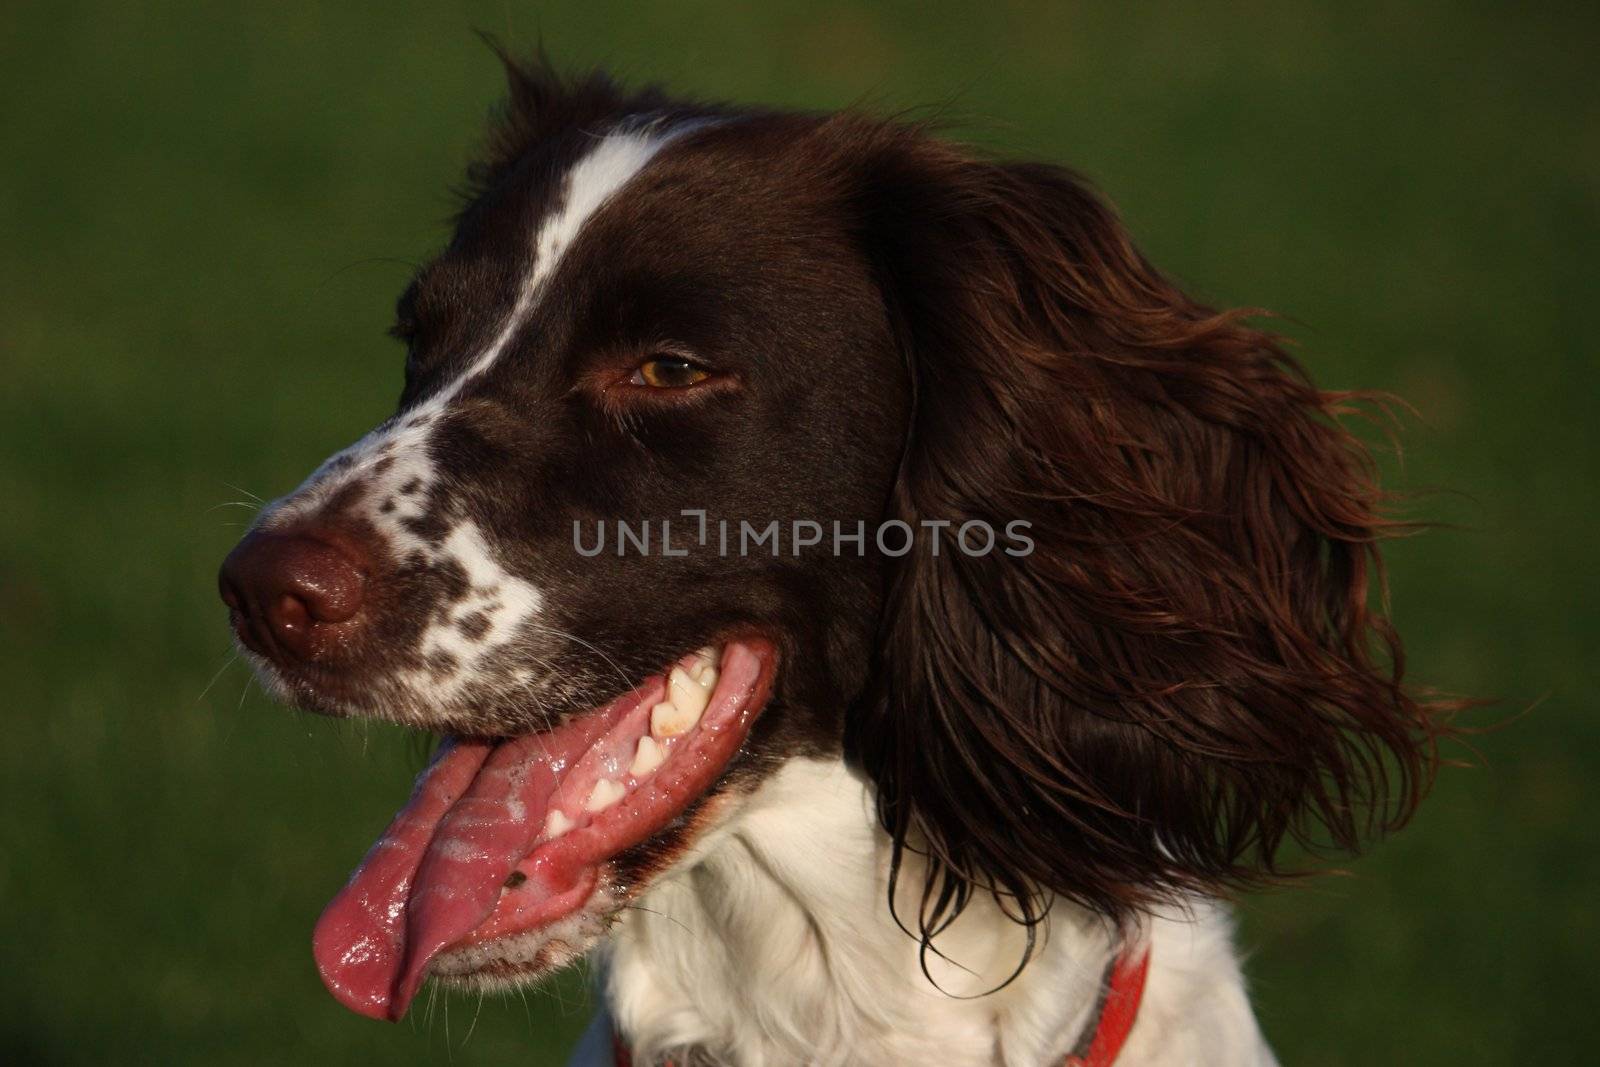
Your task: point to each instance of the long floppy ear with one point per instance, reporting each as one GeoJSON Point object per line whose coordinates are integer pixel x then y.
{"type": "Point", "coordinates": [1188, 667]}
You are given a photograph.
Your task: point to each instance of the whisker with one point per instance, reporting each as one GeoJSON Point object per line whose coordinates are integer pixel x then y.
{"type": "Point", "coordinates": [449, 1049]}
{"type": "Point", "coordinates": [369, 261]}
{"type": "Point", "coordinates": [475, 1015]}
{"type": "Point", "coordinates": [661, 914]}
{"type": "Point", "coordinates": [433, 997]}
{"type": "Point", "coordinates": [575, 639]}
{"type": "Point", "coordinates": [245, 492]}
{"type": "Point", "coordinates": [233, 656]}
{"type": "Point", "coordinates": [527, 1011]}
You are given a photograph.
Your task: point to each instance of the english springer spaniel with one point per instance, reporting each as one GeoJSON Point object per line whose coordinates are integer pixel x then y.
{"type": "Point", "coordinates": [862, 600]}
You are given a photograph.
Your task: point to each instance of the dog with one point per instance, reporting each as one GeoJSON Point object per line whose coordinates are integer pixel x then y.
{"type": "Point", "coordinates": [862, 600]}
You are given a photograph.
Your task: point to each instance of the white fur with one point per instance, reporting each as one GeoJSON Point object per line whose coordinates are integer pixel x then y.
{"type": "Point", "coordinates": [772, 945]}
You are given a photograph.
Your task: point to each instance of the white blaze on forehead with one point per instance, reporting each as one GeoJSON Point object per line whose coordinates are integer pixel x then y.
{"type": "Point", "coordinates": [394, 468]}
{"type": "Point", "coordinates": [589, 185]}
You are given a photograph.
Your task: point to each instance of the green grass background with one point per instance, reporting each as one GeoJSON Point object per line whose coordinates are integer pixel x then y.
{"type": "Point", "coordinates": [206, 211]}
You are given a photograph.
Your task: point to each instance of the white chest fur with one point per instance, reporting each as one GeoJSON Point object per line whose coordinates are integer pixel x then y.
{"type": "Point", "coordinates": [773, 946]}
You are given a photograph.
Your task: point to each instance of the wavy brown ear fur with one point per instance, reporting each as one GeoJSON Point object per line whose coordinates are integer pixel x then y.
{"type": "Point", "coordinates": [1188, 669]}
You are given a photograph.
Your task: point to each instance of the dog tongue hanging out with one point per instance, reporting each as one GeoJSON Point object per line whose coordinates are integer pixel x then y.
{"type": "Point", "coordinates": [500, 839]}
{"type": "Point", "coordinates": [853, 587]}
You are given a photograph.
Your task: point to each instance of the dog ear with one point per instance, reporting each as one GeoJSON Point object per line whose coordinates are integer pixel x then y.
{"type": "Point", "coordinates": [1188, 667]}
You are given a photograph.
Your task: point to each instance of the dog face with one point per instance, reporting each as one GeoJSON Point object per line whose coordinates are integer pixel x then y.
{"type": "Point", "coordinates": [625, 367]}
{"type": "Point", "coordinates": [539, 414]}
{"type": "Point", "coordinates": [670, 355]}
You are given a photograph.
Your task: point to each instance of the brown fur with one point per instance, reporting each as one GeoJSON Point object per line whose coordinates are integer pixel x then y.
{"type": "Point", "coordinates": [1194, 665]}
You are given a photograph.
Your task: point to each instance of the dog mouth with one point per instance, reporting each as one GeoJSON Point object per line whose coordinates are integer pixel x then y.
{"type": "Point", "coordinates": [502, 838]}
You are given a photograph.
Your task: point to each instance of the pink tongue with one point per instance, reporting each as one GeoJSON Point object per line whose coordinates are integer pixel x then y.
{"type": "Point", "coordinates": [437, 872]}
{"type": "Point", "coordinates": [359, 942]}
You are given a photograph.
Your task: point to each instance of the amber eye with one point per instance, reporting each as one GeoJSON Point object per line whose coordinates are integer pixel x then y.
{"type": "Point", "coordinates": [668, 372]}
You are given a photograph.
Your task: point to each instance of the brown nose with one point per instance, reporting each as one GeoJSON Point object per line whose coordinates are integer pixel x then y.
{"type": "Point", "coordinates": [291, 597]}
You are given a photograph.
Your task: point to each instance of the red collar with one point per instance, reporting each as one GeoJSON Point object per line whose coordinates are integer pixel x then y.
{"type": "Point", "coordinates": [1124, 990]}
{"type": "Point", "coordinates": [1099, 1047]}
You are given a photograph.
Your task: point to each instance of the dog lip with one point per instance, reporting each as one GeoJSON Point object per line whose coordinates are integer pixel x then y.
{"type": "Point", "coordinates": [714, 752]}
{"type": "Point", "coordinates": [314, 687]}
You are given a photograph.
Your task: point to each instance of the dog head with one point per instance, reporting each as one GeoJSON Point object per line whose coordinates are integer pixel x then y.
{"type": "Point", "coordinates": [729, 436]}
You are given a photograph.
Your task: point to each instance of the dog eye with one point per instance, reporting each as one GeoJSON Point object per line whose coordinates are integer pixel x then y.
{"type": "Point", "coordinates": [668, 372]}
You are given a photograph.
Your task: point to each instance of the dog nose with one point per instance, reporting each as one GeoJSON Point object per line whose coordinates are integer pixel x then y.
{"type": "Point", "coordinates": [291, 596]}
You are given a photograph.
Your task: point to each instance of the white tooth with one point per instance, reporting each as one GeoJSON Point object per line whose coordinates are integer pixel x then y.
{"type": "Point", "coordinates": [604, 794]}
{"type": "Point", "coordinates": [669, 720]}
{"type": "Point", "coordinates": [704, 673]}
{"type": "Point", "coordinates": [710, 654]}
{"type": "Point", "coordinates": [647, 758]}
{"type": "Point", "coordinates": [556, 823]}
{"type": "Point", "coordinates": [687, 693]}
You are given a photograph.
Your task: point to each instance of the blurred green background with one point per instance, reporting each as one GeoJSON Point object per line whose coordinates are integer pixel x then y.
{"type": "Point", "coordinates": [207, 210]}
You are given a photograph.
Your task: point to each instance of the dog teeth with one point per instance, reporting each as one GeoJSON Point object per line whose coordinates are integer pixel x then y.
{"type": "Point", "coordinates": [669, 720]}
{"type": "Point", "coordinates": [647, 757]}
{"type": "Point", "coordinates": [704, 668]}
{"type": "Point", "coordinates": [604, 794]}
{"type": "Point", "coordinates": [687, 697]}
{"type": "Point", "coordinates": [690, 694]}
{"type": "Point", "coordinates": [556, 824]}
